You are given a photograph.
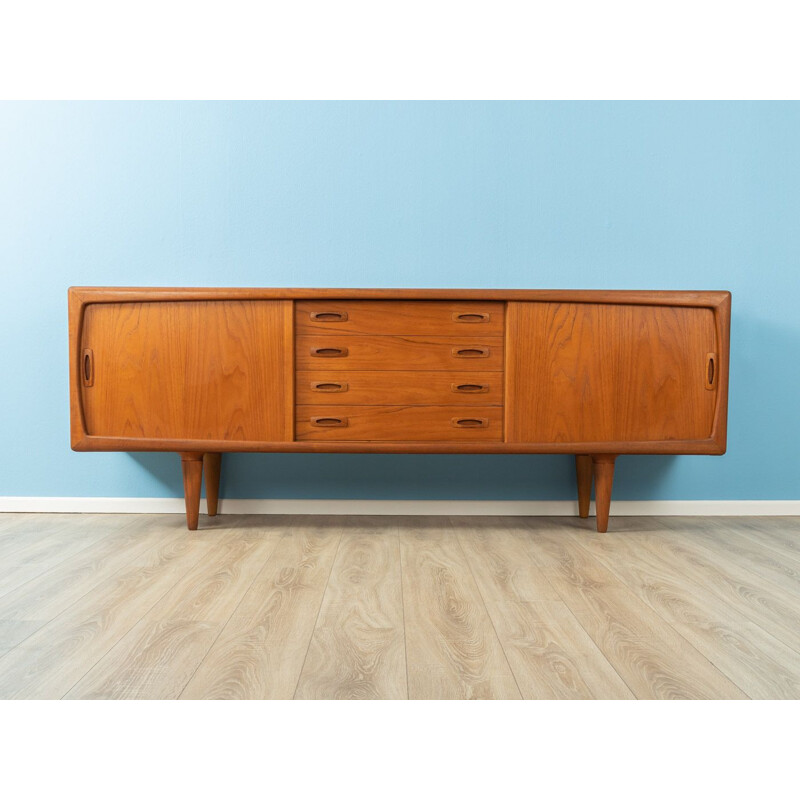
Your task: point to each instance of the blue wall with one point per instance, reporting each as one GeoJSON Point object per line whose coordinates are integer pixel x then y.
{"type": "Point", "coordinates": [527, 195]}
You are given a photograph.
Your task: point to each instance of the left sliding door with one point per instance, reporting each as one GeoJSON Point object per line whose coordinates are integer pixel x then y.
{"type": "Point", "coordinates": [189, 370]}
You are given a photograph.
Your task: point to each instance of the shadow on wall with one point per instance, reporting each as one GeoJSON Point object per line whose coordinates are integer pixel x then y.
{"type": "Point", "coordinates": [409, 477]}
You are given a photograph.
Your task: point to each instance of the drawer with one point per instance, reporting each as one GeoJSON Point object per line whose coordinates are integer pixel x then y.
{"type": "Point", "coordinates": [407, 388]}
{"type": "Point", "coordinates": [341, 352]}
{"type": "Point", "coordinates": [399, 423]}
{"type": "Point", "coordinates": [421, 317]}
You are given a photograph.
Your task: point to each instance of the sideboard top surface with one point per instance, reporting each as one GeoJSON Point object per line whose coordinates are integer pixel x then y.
{"type": "Point", "coordinates": [117, 294]}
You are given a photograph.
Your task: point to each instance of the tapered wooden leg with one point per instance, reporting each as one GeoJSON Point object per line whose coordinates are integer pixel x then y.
{"type": "Point", "coordinates": [603, 480]}
{"type": "Point", "coordinates": [211, 467]}
{"type": "Point", "coordinates": [583, 470]}
{"type": "Point", "coordinates": [192, 464]}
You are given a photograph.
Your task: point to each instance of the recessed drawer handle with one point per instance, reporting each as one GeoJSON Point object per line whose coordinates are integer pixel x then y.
{"type": "Point", "coordinates": [329, 422]}
{"type": "Point", "coordinates": [471, 316]}
{"type": "Point", "coordinates": [473, 388]}
{"type": "Point", "coordinates": [469, 422]}
{"type": "Point", "coordinates": [471, 352]}
{"type": "Point", "coordinates": [328, 386]}
{"type": "Point", "coordinates": [87, 368]}
{"type": "Point", "coordinates": [329, 316]}
{"type": "Point", "coordinates": [328, 352]}
{"type": "Point", "coordinates": [711, 370]}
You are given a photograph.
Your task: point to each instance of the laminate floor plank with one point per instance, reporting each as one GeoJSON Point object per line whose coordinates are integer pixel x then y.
{"type": "Point", "coordinates": [37, 548]}
{"type": "Point", "coordinates": [723, 540]}
{"type": "Point", "coordinates": [551, 655]}
{"type": "Point", "coordinates": [649, 655]}
{"type": "Point", "coordinates": [254, 606]}
{"type": "Point", "coordinates": [54, 658]}
{"type": "Point", "coordinates": [49, 593]}
{"type": "Point", "coordinates": [158, 656]}
{"type": "Point", "coordinates": [759, 664]}
{"type": "Point", "coordinates": [260, 652]}
{"type": "Point", "coordinates": [763, 603]}
{"type": "Point", "coordinates": [357, 650]}
{"type": "Point", "coordinates": [452, 648]}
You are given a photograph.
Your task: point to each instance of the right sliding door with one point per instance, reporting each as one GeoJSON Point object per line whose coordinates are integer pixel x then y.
{"type": "Point", "coordinates": [592, 372]}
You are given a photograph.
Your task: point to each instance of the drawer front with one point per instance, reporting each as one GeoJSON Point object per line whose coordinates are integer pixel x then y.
{"type": "Point", "coordinates": [462, 354]}
{"type": "Point", "coordinates": [421, 317]}
{"type": "Point", "coordinates": [399, 423]}
{"type": "Point", "coordinates": [407, 388]}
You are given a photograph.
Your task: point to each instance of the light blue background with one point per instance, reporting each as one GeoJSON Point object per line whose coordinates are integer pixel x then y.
{"type": "Point", "coordinates": [588, 195]}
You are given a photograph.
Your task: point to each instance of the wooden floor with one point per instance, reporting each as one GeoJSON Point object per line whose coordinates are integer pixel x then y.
{"type": "Point", "coordinates": [119, 606]}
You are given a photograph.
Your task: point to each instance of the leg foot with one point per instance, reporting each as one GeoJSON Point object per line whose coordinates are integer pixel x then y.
{"type": "Point", "coordinates": [603, 480]}
{"type": "Point", "coordinates": [211, 467]}
{"type": "Point", "coordinates": [583, 470]}
{"type": "Point", "coordinates": [192, 464]}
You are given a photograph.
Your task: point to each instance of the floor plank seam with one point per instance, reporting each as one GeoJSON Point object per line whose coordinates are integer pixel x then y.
{"type": "Point", "coordinates": [316, 618]}
{"type": "Point", "coordinates": [403, 609]}
{"type": "Point", "coordinates": [77, 600]}
{"type": "Point", "coordinates": [666, 622]}
{"type": "Point", "coordinates": [230, 617]}
{"type": "Point", "coordinates": [485, 606]}
{"type": "Point", "coordinates": [180, 577]}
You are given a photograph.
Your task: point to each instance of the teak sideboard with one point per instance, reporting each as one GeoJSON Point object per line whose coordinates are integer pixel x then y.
{"type": "Point", "coordinates": [205, 371]}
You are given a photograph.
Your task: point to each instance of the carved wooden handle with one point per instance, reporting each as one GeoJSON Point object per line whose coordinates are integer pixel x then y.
{"type": "Point", "coordinates": [329, 316]}
{"type": "Point", "coordinates": [87, 368]}
{"type": "Point", "coordinates": [472, 388]}
{"type": "Point", "coordinates": [471, 352]}
{"type": "Point", "coordinates": [328, 386]}
{"type": "Point", "coordinates": [329, 422]}
{"type": "Point", "coordinates": [469, 422]}
{"type": "Point", "coordinates": [328, 352]}
{"type": "Point", "coordinates": [711, 371]}
{"type": "Point", "coordinates": [471, 316]}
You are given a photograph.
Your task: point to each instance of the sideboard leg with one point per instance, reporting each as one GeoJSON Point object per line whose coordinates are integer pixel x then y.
{"type": "Point", "coordinates": [192, 464]}
{"type": "Point", "coordinates": [603, 480]}
{"type": "Point", "coordinates": [211, 468]}
{"type": "Point", "coordinates": [583, 469]}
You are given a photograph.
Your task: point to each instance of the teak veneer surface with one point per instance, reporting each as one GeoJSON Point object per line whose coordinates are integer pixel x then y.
{"type": "Point", "coordinates": [191, 370]}
{"type": "Point", "coordinates": [386, 317]}
{"type": "Point", "coordinates": [614, 373]}
{"type": "Point", "coordinates": [372, 352]}
{"type": "Point", "coordinates": [395, 387]}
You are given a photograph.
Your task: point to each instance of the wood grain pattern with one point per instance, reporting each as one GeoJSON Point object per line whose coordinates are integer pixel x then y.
{"type": "Point", "coordinates": [665, 607]}
{"type": "Point", "coordinates": [261, 650]}
{"type": "Point", "coordinates": [50, 661]}
{"type": "Point", "coordinates": [188, 370]}
{"type": "Point", "coordinates": [400, 423]}
{"type": "Point", "coordinates": [32, 552]}
{"type": "Point", "coordinates": [357, 651]}
{"type": "Point", "coordinates": [756, 597]}
{"type": "Point", "coordinates": [408, 353]}
{"type": "Point", "coordinates": [613, 373]}
{"type": "Point", "coordinates": [551, 655]}
{"type": "Point", "coordinates": [48, 594]}
{"type": "Point", "coordinates": [761, 665]}
{"type": "Point", "coordinates": [398, 388]}
{"type": "Point", "coordinates": [388, 317]}
{"type": "Point", "coordinates": [452, 648]}
{"type": "Point", "coordinates": [654, 661]}
{"type": "Point", "coordinates": [159, 655]}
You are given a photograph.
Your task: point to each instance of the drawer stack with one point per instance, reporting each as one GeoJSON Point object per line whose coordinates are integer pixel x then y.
{"type": "Point", "coordinates": [397, 370]}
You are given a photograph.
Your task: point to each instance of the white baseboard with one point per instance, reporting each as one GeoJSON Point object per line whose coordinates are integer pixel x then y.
{"type": "Point", "coordinates": [519, 508]}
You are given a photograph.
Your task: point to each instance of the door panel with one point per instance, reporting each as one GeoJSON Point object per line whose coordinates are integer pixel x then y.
{"type": "Point", "coordinates": [190, 370]}
{"type": "Point", "coordinates": [586, 372]}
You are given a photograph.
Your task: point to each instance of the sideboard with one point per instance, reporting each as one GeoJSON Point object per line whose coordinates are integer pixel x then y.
{"type": "Point", "coordinates": [201, 372]}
